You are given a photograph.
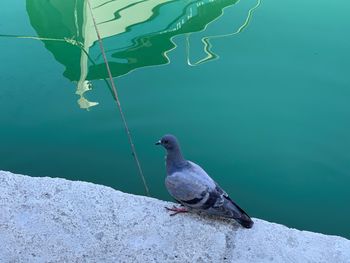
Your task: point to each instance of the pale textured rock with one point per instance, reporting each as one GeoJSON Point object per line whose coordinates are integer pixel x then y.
{"type": "Point", "coordinates": [55, 220]}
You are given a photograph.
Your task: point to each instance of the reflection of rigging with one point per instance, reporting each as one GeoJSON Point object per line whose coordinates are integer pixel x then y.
{"type": "Point", "coordinates": [206, 40]}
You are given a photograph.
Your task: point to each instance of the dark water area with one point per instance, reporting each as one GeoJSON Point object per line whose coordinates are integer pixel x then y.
{"type": "Point", "coordinates": [258, 94]}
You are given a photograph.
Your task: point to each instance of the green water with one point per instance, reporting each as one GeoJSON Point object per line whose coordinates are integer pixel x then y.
{"type": "Point", "coordinates": [265, 109]}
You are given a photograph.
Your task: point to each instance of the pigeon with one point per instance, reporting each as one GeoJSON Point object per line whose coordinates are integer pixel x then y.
{"type": "Point", "coordinates": [194, 189]}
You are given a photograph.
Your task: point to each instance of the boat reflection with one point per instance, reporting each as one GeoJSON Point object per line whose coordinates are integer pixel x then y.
{"type": "Point", "coordinates": [136, 33]}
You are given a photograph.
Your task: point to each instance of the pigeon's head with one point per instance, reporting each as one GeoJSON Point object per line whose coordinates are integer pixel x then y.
{"type": "Point", "coordinates": [168, 141]}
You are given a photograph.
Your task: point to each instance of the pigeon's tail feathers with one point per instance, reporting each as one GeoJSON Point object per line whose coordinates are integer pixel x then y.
{"type": "Point", "coordinates": [243, 218]}
{"type": "Point", "coordinates": [245, 221]}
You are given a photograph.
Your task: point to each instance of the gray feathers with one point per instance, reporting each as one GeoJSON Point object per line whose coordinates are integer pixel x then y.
{"type": "Point", "coordinates": [187, 187]}
{"type": "Point", "coordinates": [189, 184]}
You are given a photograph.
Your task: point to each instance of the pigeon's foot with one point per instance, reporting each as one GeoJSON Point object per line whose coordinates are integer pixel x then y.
{"type": "Point", "coordinates": [177, 210]}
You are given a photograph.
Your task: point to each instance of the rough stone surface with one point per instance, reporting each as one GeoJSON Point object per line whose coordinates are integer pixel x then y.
{"type": "Point", "coordinates": [55, 220]}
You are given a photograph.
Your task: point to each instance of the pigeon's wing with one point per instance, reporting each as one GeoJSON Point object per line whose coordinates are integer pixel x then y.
{"type": "Point", "coordinates": [226, 196]}
{"type": "Point", "coordinates": [190, 186]}
{"type": "Point", "coordinates": [226, 207]}
{"type": "Point", "coordinates": [219, 203]}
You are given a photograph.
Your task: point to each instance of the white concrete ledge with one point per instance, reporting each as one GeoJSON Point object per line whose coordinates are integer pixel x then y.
{"type": "Point", "coordinates": [56, 220]}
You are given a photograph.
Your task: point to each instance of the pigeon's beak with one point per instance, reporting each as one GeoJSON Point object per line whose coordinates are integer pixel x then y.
{"type": "Point", "coordinates": [158, 143]}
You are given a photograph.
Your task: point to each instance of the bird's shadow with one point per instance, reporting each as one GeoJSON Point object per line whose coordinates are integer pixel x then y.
{"type": "Point", "coordinates": [211, 220]}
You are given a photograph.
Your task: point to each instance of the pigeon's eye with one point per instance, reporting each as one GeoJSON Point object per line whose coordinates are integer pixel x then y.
{"type": "Point", "coordinates": [166, 141]}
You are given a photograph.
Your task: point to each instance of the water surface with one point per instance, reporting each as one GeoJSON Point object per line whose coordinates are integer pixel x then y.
{"type": "Point", "coordinates": [259, 98]}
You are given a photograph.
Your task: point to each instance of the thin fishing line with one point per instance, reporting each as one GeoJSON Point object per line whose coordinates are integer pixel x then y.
{"type": "Point", "coordinates": [36, 38]}
{"type": "Point", "coordinates": [206, 40]}
{"type": "Point", "coordinates": [118, 102]}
